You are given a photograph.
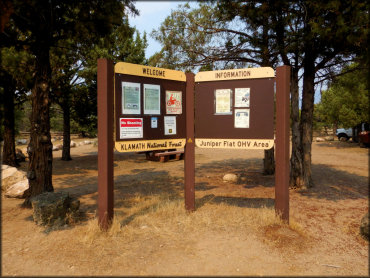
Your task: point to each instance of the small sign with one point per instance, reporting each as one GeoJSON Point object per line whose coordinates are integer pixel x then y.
{"type": "Point", "coordinates": [154, 122]}
{"type": "Point", "coordinates": [173, 102]}
{"type": "Point", "coordinates": [131, 128]}
{"type": "Point", "coordinates": [130, 98]}
{"type": "Point", "coordinates": [169, 125]}
{"type": "Point", "coordinates": [223, 101]}
{"type": "Point", "coordinates": [241, 118]}
{"type": "Point", "coordinates": [233, 74]}
{"type": "Point", "coordinates": [257, 144]}
{"type": "Point", "coordinates": [149, 145]}
{"type": "Point", "coordinates": [242, 97]}
{"type": "Point", "coordinates": [152, 99]}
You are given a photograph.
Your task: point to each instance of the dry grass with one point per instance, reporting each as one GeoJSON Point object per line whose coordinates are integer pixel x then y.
{"type": "Point", "coordinates": [162, 217]}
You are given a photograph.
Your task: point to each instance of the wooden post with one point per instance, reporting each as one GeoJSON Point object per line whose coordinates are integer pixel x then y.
{"type": "Point", "coordinates": [282, 142]}
{"type": "Point", "coordinates": [105, 143]}
{"type": "Point", "coordinates": [189, 161]}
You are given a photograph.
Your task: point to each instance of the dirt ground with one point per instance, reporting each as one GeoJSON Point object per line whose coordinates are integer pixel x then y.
{"type": "Point", "coordinates": [232, 232]}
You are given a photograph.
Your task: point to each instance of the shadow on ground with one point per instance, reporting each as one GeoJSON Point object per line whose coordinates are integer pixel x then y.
{"type": "Point", "coordinates": [334, 185]}
{"type": "Point", "coordinates": [330, 184]}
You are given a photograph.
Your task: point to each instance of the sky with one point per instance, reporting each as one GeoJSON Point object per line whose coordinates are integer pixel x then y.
{"type": "Point", "coordinates": [152, 14]}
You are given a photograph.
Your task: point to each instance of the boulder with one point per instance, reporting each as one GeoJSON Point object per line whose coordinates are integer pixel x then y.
{"type": "Point", "coordinates": [21, 142]}
{"type": "Point", "coordinates": [230, 178]}
{"type": "Point", "coordinates": [57, 147]}
{"type": "Point", "coordinates": [319, 139]}
{"type": "Point", "coordinates": [7, 171]}
{"type": "Point", "coordinates": [73, 144]}
{"type": "Point", "coordinates": [54, 208]}
{"type": "Point", "coordinates": [17, 190]}
{"type": "Point", "coordinates": [329, 138]}
{"type": "Point", "coordinates": [11, 175]}
{"type": "Point", "coordinates": [19, 156]}
{"type": "Point", "coordinates": [88, 142]}
{"type": "Point", "coordinates": [343, 139]}
{"type": "Point", "coordinates": [364, 226]}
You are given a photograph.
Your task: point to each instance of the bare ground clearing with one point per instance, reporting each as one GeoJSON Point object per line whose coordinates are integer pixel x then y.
{"type": "Point", "coordinates": [232, 232]}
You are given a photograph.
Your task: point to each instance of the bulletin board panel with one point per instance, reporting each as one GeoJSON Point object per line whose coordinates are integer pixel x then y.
{"type": "Point", "coordinates": [153, 129]}
{"type": "Point", "coordinates": [210, 125]}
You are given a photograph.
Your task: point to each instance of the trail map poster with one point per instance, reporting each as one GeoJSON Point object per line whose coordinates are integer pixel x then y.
{"type": "Point", "coordinates": [130, 98]}
{"type": "Point", "coordinates": [152, 99]}
{"type": "Point", "coordinates": [242, 97]}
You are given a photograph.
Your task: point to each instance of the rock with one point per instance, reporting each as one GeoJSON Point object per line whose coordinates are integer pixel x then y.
{"type": "Point", "coordinates": [17, 190]}
{"type": "Point", "coordinates": [19, 156]}
{"type": "Point", "coordinates": [87, 142]}
{"type": "Point", "coordinates": [343, 139]}
{"type": "Point", "coordinates": [319, 139]}
{"type": "Point", "coordinates": [230, 178]}
{"type": "Point", "coordinates": [7, 171]}
{"type": "Point", "coordinates": [364, 226]}
{"type": "Point", "coordinates": [73, 144]}
{"type": "Point", "coordinates": [10, 176]}
{"type": "Point", "coordinates": [21, 141]}
{"type": "Point", "coordinates": [4, 167]}
{"type": "Point", "coordinates": [243, 179]}
{"type": "Point", "coordinates": [57, 147]}
{"type": "Point", "coordinates": [54, 208]}
{"type": "Point", "coordinates": [329, 138]}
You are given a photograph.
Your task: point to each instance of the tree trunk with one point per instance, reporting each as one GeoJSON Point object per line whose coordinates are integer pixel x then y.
{"type": "Point", "coordinates": [66, 152]}
{"type": "Point", "coordinates": [269, 162]}
{"type": "Point", "coordinates": [269, 155]}
{"type": "Point", "coordinates": [39, 150]}
{"type": "Point", "coordinates": [307, 114]}
{"type": "Point", "coordinates": [296, 164]}
{"type": "Point", "coordinates": [9, 157]}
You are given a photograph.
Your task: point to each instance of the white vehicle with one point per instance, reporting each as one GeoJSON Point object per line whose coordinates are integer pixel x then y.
{"type": "Point", "coordinates": [343, 133]}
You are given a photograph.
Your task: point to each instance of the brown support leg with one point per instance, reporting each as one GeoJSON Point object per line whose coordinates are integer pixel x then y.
{"type": "Point", "coordinates": [105, 146]}
{"type": "Point", "coordinates": [282, 142]}
{"type": "Point", "coordinates": [189, 160]}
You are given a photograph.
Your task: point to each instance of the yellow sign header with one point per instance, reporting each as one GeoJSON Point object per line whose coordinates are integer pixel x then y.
{"type": "Point", "coordinates": [149, 145]}
{"type": "Point", "coordinates": [248, 73]}
{"type": "Point", "coordinates": [146, 71]}
{"type": "Point", "coordinates": [261, 144]}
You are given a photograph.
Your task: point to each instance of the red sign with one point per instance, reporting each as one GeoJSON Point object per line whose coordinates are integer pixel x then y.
{"type": "Point", "coordinates": [131, 122]}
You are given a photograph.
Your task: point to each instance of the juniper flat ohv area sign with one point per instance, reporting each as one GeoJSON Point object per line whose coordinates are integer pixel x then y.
{"type": "Point", "coordinates": [235, 108]}
{"type": "Point", "coordinates": [149, 108]}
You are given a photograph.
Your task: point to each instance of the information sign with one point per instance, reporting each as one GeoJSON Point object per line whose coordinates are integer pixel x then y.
{"type": "Point", "coordinates": [149, 110]}
{"type": "Point", "coordinates": [223, 101]}
{"type": "Point", "coordinates": [131, 128]}
{"type": "Point", "coordinates": [235, 109]}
